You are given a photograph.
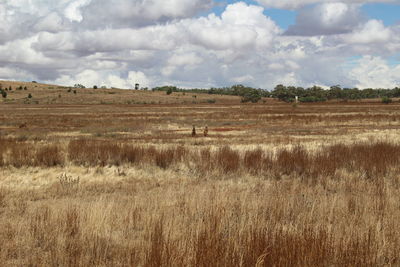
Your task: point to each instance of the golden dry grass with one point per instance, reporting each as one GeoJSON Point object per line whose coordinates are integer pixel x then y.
{"type": "Point", "coordinates": [272, 185]}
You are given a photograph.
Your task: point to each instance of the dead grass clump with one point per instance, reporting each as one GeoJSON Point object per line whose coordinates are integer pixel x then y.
{"type": "Point", "coordinates": [292, 161]}
{"type": "Point", "coordinates": [203, 161]}
{"type": "Point", "coordinates": [21, 154]}
{"type": "Point", "coordinates": [253, 161]}
{"type": "Point", "coordinates": [3, 197]}
{"type": "Point", "coordinates": [164, 158]}
{"type": "Point", "coordinates": [132, 154]}
{"type": "Point", "coordinates": [228, 160]}
{"type": "Point", "coordinates": [81, 152]}
{"type": "Point", "coordinates": [94, 153]}
{"type": "Point", "coordinates": [375, 159]}
{"type": "Point", "coordinates": [371, 160]}
{"type": "Point", "coordinates": [49, 156]}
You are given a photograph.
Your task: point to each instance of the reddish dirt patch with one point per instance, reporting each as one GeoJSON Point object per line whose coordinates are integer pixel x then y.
{"type": "Point", "coordinates": [225, 129]}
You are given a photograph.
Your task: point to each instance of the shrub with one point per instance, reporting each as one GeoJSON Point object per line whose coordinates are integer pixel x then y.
{"type": "Point", "coordinates": [386, 100]}
{"type": "Point", "coordinates": [252, 96]}
{"type": "Point", "coordinates": [29, 95]}
{"type": "Point", "coordinates": [253, 161]}
{"type": "Point", "coordinates": [49, 156]}
{"type": "Point", "coordinates": [4, 94]}
{"type": "Point", "coordinates": [169, 91]}
{"type": "Point", "coordinates": [164, 158]}
{"type": "Point", "coordinates": [228, 160]}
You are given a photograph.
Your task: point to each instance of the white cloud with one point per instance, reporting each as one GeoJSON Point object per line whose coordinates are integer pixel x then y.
{"type": "Point", "coordinates": [375, 72]}
{"type": "Point", "coordinates": [156, 42]}
{"type": "Point", "coordinates": [372, 32]}
{"type": "Point", "coordinates": [124, 13]}
{"type": "Point", "coordinates": [325, 19]}
{"type": "Point", "coordinates": [73, 10]}
{"type": "Point", "coordinates": [294, 4]}
{"type": "Point", "coordinates": [52, 22]}
{"type": "Point", "coordinates": [90, 78]}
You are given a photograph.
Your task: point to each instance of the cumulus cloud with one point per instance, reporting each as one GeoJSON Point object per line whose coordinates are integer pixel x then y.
{"type": "Point", "coordinates": [124, 13]}
{"type": "Point", "coordinates": [295, 4]}
{"type": "Point", "coordinates": [181, 42]}
{"type": "Point", "coordinates": [371, 32]}
{"type": "Point", "coordinates": [91, 77]}
{"type": "Point", "coordinates": [375, 72]}
{"type": "Point", "coordinates": [325, 19]}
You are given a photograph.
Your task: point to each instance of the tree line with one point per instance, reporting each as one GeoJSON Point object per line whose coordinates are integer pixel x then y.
{"type": "Point", "coordinates": [289, 93]}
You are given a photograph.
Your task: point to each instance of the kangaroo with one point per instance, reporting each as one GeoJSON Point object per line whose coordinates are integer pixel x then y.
{"type": "Point", "coordinates": [194, 131]}
{"type": "Point", "coordinates": [206, 131]}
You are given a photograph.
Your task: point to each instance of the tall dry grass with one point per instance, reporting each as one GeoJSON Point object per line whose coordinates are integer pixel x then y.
{"type": "Point", "coordinates": [334, 206]}
{"type": "Point", "coordinates": [371, 160]}
{"type": "Point", "coordinates": [176, 222]}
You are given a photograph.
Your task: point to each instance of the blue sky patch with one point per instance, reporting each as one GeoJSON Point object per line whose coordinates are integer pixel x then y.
{"type": "Point", "coordinates": [388, 13]}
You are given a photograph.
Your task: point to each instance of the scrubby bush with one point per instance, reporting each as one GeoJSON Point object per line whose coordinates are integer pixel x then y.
{"type": "Point", "coordinates": [251, 95]}
{"type": "Point", "coordinates": [386, 100]}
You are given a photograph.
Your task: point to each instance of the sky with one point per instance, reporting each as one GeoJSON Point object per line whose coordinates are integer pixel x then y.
{"type": "Point", "coordinates": [201, 43]}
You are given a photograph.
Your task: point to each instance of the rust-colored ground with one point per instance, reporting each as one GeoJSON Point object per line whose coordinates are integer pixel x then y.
{"type": "Point", "coordinates": [124, 184]}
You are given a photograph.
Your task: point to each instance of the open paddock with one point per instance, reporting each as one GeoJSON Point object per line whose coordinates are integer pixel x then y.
{"type": "Point", "coordinates": [272, 184]}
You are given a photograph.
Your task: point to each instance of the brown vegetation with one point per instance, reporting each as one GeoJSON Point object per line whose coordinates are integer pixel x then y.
{"type": "Point", "coordinates": [271, 185]}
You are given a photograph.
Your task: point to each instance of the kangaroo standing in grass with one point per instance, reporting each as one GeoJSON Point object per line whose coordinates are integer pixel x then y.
{"type": "Point", "coordinates": [194, 131]}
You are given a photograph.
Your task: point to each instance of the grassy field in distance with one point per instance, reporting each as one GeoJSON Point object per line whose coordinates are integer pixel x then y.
{"type": "Point", "coordinates": [90, 179]}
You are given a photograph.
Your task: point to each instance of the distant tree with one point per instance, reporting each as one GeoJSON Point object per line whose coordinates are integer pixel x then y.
{"type": "Point", "coordinates": [169, 91]}
{"type": "Point", "coordinates": [282, 93]}
{"type": "Point", "coordinates": [94, 86]}
{"type": "Point", "coordinates": [252, 96]}
{"type": "Point", "coordinates": [386, 100]}
{"type": "Point", "coordinates": [78, 85]}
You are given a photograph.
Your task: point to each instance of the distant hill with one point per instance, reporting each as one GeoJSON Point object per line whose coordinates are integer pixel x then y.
{"type": "Point", "coordinates": [38, 93]}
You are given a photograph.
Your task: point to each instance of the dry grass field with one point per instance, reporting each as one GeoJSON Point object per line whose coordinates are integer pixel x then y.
{"type": "Point", "coordinates": [91, 183]}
